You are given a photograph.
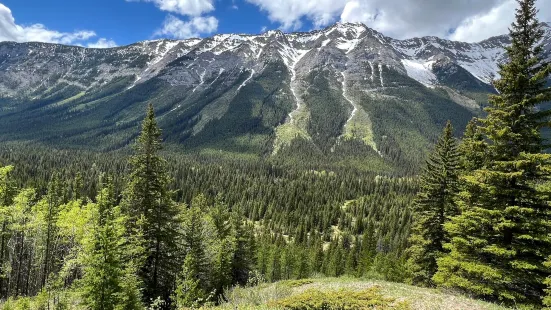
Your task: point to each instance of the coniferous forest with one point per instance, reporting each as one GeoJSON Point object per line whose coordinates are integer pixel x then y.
{"type": "Point", "coordinates": [150, 228]}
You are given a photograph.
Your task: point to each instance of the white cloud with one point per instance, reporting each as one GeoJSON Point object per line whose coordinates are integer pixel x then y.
{"type": "Point", "coordinates": [494, 22]}
{"type": "Point", "coordinates": [411, 18]}
{"type": "Point", "coordinates": [179, 29]}
{"type": "Point", "coordinates": [289, 13]}
{"type": "Point", "coordinates": [103, 43]}
{"type": "Point", "coordinates": [10, 31]}
{"type": "Point", "coordinates": [183, 7]}
{"type": "Point", "coordinates": [467, 20]}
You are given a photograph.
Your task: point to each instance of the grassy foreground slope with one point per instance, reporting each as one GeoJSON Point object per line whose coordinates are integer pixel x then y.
{"type": "Point", "coordinates": [382, 295]}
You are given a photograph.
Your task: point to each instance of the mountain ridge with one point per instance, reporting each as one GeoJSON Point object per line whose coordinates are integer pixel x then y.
{"type": "Point", "coordinates": [345, 88]}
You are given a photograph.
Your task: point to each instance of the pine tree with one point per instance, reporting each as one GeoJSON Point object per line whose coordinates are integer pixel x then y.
{"type": "Point", "coordinates": [221, 216]}
{"type": "Point", "coordinates": [302, 270]}
{"type": "Point", "coordinates": [472, 148]}
{"type": "Point", "coordinates": [433, 207]}
{"type": "Point", "coordinates": [148, 204]}
{"type": "Point", "coordinates": [107, 279]}
{"type": "Point", "coordinates": [287, 263]}
{"type": "Point", "coordinates": [189, 291]}
{"type": "Point", "coordinates": [368, 250]}
{"type": "Point", "coordinates": [223, 265]}
{"type": "Point", "coordinates": [501, 239]}
{"type": "Point", "coordinates": [193, 283]}
{"type": "Point", "coordinates": [274, 266]}
{"type": "Point", "coordinates": [243, 258]}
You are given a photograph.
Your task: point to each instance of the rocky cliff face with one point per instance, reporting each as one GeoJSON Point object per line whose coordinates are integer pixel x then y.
{"type": "Point", "coordinates": [251, 94]}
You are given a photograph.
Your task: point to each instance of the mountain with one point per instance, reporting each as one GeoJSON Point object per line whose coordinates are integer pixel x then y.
{"type": "Point", "coordinates": [346, 89]}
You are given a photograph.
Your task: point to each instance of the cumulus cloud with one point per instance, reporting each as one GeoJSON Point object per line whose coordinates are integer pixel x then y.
{"type": "Point", "coordinates": [10, 31]}
{"type": "Point", "coordinates": [183, 7]}
{"type": "Point", "coordinates": [289, 13]}
{"type": "Point", "coordinates": [103, 43]}
{"type": "Point", "coordinates": [179, 29]}
{"type": "Point", "coordinates": [410, 18]}
{"type": "Point", "coordinates": [494, 22]}
{"type": "Point", "coordinates": [467, 20]}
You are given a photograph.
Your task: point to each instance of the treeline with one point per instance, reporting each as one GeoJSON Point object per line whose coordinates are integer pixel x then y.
{"type": "Point", "coordinates": [482, 218]}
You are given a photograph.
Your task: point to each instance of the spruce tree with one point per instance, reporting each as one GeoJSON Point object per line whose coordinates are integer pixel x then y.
{"type": "Point", "coordinates": [108, 282]}
{"type": "Point", "coordinates": [368, 250]}
{"type": "Point", "coordinates": [223, 265]}
{"type": "Point", "coordinates": [148, 204]}
{"type": "Point", "coordinates": [472, 148]}
{"type": "Point", "coordinates": [193, 282]}
{"type": "Point", "coordinates": [274, 265]}
{"type": "Point", "coordinates": [189, 293]}
{"type": "Point", "coordinates": [243, 256]}
{"type": "Point", "coordinates": [433, 207]}
{"type": "Point", "coordinates": [501, 239]}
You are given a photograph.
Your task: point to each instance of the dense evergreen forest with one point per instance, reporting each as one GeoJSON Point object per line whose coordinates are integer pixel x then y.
{"type": "Point", "coordinates": [151, 228]}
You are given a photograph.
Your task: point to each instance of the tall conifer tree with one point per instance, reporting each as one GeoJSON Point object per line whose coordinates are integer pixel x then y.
{"type": "Point", "coordinates": [472, 148]}
{"type": "Point", "coordinates": [109, 282]}
{"type": "Point", "coordinates": [193, 283]}
{"type": "Point", "coordinates": [433, 207]}
{"type": "Point", "coordinates": [148, 204]}
{"type": "Point", "coordinates": [501, 239]}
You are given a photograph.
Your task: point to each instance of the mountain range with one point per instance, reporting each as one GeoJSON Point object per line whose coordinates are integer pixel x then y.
{"type": "Point", "coordinates": [346, 90]}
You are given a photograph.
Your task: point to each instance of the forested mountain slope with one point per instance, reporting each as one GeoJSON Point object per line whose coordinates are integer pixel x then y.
{"type": "Point", "coordinates": [346, 89]}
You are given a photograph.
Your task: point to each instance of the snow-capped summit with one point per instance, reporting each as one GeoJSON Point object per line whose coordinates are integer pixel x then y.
{"type": "Point", "coordinates": [346, 81]}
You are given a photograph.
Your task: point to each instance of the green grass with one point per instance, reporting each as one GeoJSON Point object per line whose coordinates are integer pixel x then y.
{"type": "Point", "coordinates": [286, 133]}
{"type": "Point", "coordinates": [75, 97]}
{"type": "Point", "coordinates": [332, 293]}
{"type": "Point", "coordinates": [272, 296]}
{"type": "Point", "coordinates": [360, 127]}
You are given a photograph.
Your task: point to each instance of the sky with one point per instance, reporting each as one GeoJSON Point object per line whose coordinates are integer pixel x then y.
{"type": "Point", "coordinates": [109, 23]}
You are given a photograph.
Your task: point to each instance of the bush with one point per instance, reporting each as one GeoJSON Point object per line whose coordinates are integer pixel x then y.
{"type": "Point", "coordinates": [340, 300]}
{"type": "Point", "coordinates": [297, 283]}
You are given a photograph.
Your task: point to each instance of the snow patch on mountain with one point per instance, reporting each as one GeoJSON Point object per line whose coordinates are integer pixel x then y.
{"type": "Point", "coordinates": [297, 57]}
{"type": "Point", "coordinates": [381, 75]}
{"type": "Point", "coordinates": [421, 71]}
{"type": "Point", "coordinates": [483, 63]}
{"type": "Point", "coordinates": [345, 96]}
{"type": "Point", "coordinates": [348, 45]}
{"type": "Point", "coordinates": [246, 81]}
{"type": "Point", "coordinates": [161, 51]}
{"type": "Point", "coordinates": [302, 38]}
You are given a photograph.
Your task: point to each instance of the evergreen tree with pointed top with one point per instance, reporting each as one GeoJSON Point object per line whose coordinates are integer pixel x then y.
{"type": "Point", "coordinates": [108, 282]}
{"type": "Point", "coordinates": [472, 148]}
{"type": "Point", "coordinates": [433, 207]}
{"type": "Point", "coordinates": [193, 282]}
{"type": "Point", "coordinates": [500, 240]}
{"type": "Point", "coordinates": [243, 256]}
{"type": "Point", "coordinates": [148, 204]}
{"type": "Point", "coordinates": [368, 249]}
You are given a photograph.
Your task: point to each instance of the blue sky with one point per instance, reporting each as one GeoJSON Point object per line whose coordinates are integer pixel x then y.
{"type": "Point", "coordinates": [106, 23]}
{"type": "Point", "coordinates": [127, 22]}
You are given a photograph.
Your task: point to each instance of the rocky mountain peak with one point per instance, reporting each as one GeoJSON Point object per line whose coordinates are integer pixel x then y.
{"type": "Point", "coordinates": [341, 83]}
